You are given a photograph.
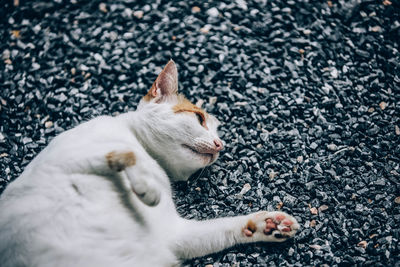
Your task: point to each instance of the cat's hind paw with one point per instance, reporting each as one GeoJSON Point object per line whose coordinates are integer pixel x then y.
{"type": "Point", "coordinates": [272, 226]}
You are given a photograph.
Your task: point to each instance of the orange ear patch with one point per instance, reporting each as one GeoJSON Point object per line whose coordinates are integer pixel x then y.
{"type": "Point", "coordinates": [151, 93]}
{"type": "Point", "coordinates": [166, 82]}
{"type": "Point", "coordinates": [185, 105]}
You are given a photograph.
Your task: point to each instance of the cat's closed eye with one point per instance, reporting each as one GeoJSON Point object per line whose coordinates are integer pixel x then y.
{"type": "Point", "coordinates": [200, 118]}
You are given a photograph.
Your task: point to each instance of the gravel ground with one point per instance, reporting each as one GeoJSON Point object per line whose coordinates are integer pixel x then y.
{"type": "Point", "coordinates": [309, 93]}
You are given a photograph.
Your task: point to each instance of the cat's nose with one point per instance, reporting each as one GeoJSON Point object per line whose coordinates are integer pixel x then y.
{"type": "Point", "coordinates": [218, 145]}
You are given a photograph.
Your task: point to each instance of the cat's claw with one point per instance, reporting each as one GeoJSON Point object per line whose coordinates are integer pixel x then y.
{"type": "Point", "coordinates": [272, 226]}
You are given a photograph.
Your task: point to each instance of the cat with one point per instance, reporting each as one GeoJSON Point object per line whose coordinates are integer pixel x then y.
{"type": "Point", "coordinates": [100, 193]}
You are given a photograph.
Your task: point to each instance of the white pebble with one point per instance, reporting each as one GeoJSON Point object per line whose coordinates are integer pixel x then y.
{"type": "Point", "coordinates": [213, 12]}
{"type": "Point", "coordinates": [334, 73]}
{"type": "Point", "coordinates": [332, 147]}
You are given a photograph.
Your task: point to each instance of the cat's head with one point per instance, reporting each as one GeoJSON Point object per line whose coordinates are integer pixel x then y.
{"type": "Point", "coordinates": [182, 137]}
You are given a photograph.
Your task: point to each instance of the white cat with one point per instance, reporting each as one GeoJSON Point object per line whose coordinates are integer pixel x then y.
{"type": "Point", "coordinates": [100, 195]}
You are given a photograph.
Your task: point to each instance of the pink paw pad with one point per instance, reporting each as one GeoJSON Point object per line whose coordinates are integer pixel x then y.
{"type": "Point", "coordinates": [280, 217]}
{"type": "Point", "coordinates": [271, 225]}
{"type": "Point", "coordinates": [287, 222]}
{"type": "Point", "coordinates": [280, 223]}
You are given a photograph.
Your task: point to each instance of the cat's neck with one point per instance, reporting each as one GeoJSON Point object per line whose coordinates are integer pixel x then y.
{"type": "Point", "coordinates": [142, 124]}
{"type": "Point", "coordinates": [140, 127]}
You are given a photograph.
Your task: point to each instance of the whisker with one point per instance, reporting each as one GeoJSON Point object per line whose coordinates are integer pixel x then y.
{"type": "Point", "coordinates": [199, 175]}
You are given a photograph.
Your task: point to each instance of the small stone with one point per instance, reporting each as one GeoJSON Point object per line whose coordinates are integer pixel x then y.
{"type": "Point", "coordinates": [362, 53]}
{"type": "Point", "coordinates": [138, 14]}
{"type": "Point", "coordinates": [198, 189]}
{"type": "Point", "coordinates": [272, 175]}
{"type": "Point", "coordinates": [382, 105]}
{"type": "Point", "coordinates": [196, 9]}
{"type": "Point", "coordinates": [242, 4]}
{"type": "Point", "coordinates": [279, 205]}
{"type": "Point", "coordinates": [314, 211]}
{"type": "Point", "coordinates": [323, 208]}
{"type": "Point", "coordinates": [371, 109]}
{"type": "Point", "coordinates": [373, 131]}
{"type": "Point", "coordinates": [313, 145]}
{"type": "Point", "coordinates": [318, 168]}
{"type": "Point", "coordinates": [213, 12]}
{"type": "Point", "coordinates": [327, 88]}
{"type": "Point", "coordinates": [199, 103]}
{"type": "Point", "coordinates": [35, 66]}
{"type": "Point", "coordinates": [103, 7]}
{"type": "Point", "coordinates": [206, 29]}
{"type": "Point", "coordinates": [2, 155]}
{"type": "Point", "coordinates": [73, 71]}
{"type": "Point", "coordinates": [373, 235]}
{"type": "Point", "coordinates": [6, 54]}
{"type": "Point", "coordinates": [212, 100]}
{"type": "Point", "coordinates": [16, 33]}
{"type": "Point", "coordinates": [289, 200]}
{"type": "Point", "coordinates": [48, 124]}
{"type": "Point", "coordinates": [313, 223]}
{"type": "Point", "coordinates": [299, 159]}
{"type": "Point", "coordinates": [397, 200]}
{"type": "Point", "coordinates": [375, 29]}
{"type": "Point", "coordinates": [245, 189]}
{"type": "Point", "coordinates": [315, 246]}
{"type": "Point", "coordinates": [332, 147]}
{"type": "Point", "coordinates": [362, 244]}
{"type": "Point", "coordinates": [334, 73]}
{"type": "Point", "coordinates": [84, 67]}
{"type": "Point", "coordinates": [386, 2]}
{"type": "Point", "coordinates": [397, 130]}
{"type": "Point", "coordinates": [307, 31]}
{"type": "Point", "coordinates": [1, 137]}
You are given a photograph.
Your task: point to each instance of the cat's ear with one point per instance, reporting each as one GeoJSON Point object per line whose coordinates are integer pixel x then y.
{"type": "Point", "coordinates": [165, 85]}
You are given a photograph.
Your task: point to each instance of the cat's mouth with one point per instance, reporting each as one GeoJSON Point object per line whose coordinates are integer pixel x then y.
{"type": "Point", "coordinates": [207, 157]}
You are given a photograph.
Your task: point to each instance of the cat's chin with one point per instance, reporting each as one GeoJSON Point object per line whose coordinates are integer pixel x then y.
{"type": "Point", "coordinates": [207, 158]}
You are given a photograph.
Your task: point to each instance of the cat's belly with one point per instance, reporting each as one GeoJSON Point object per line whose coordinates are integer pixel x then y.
{"type": "Point", "coordinates": [92, 223]}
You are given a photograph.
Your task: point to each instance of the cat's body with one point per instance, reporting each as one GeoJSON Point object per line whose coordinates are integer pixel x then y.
{"type": "Point", "coordinates": [100, 195]}
{"type": "Point", "coordinates": [83, 214]}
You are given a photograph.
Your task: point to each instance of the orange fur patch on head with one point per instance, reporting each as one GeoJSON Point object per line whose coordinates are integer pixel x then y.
{"type": "Point", "coordinates": [185, 105]}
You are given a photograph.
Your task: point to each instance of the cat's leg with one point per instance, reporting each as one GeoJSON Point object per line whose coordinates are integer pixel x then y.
{"type": "Point", "coordinates": [140, 179]}
{"type": "Point", "coordinates": [117, 164]}
{"type": "Point", "coordinates": [199, 238]}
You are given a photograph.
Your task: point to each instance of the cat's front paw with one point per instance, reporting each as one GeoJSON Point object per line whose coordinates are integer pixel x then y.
{"type": "Point", "coordinates": [145, 192]}
{"type": "Point", "coordinates": [120, 160]}
{"type": "Point", "coordinates": [274, 226]}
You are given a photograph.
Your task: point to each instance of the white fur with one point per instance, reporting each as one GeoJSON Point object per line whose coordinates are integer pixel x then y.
{"type": "Point", "coordinates": [68, 208]}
